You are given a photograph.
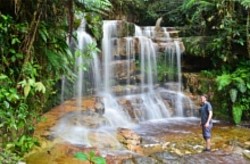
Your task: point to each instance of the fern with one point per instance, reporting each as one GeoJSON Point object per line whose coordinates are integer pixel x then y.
{"type": "Point", "coordinates": [189, 4]}
{"type": "Point", "coordinates": [245, 3]}
{"type": "Point", "coordinates": [98, 6]}
{"type": "Point", "coordinates": [223, 81]}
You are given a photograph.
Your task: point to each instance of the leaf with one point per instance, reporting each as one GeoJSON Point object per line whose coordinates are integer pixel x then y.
{"type": "Point", "coordinates": [91, 154]}
{"type": "Point", "coordinates": [233, 94]}
{"type": "Point", "coordinates": [237, 113]}
{"type": "Point", "coordinates": [26, 90]}
{"type": "Point", "coordinates": [245, 3]}
{"type": "Point", "coordinates": [81, 156]}
{"type": "Point", "coordinates": [40, 87]}
{"type": "Point", "coordinates": [99, 160]}
{"type": "Point", "coordinates": [242, 87]}
{"type": "Point", "coordinates": [248, 85]}
{"type": "Point", "coordinates": [3, 76]}
{"type": "Point", "coordinates": [223, 81]}
{"type": "Point", "coordinates": [6, 104]}
{"type": "Point", "coordinates": [31, 81]}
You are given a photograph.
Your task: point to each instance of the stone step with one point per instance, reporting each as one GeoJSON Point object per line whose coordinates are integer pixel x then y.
{"type": "Point", "coordinates": [163, 46]}
{"type": "Point", "coordinates": [169, 34]}
{"type": "Point", "coordinates": [166, 40]}
{"type": "Point", "coordinates": [121, 90]}
{"type": "Point", "coordinates": [174, 33]}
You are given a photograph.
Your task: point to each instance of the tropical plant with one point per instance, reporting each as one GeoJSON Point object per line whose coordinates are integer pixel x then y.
{"type": "Point", "coordinates": [34, 54]}
{"type": "Point", "coordinates": [236, 85]}
{"type": "Point", "coordinates": [90, 157]}
{"type": "Point", "coordinates": [220, 33]}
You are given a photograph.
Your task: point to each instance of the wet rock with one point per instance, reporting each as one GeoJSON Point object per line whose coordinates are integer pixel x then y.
{"type": "Point", "coordinates": [86, 118]}
{"type": "Point", "coordinates": [152, 148]}
{"type": "Point", "coordinates": [125, 29]}
{"type": "Point", "coordinates": [247, 145]}
{"type": "Point", "coordinates": [123, 69]}
{"type": "Point", "coordinates": [99, 106]}
{"type": "Point", "coordinates": [140, 160]}
{"type": "Point", "coordinates": [246, 153]}
{"type": "Point", "coordinates": [130, 139]}
{"type": "Point", "coordinates": [133, 107]}
{"type": "Point", "coordinates": [166, 157]}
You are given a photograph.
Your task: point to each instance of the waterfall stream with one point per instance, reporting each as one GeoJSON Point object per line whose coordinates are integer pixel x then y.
{"type": "Point", "coordinates": [126, 72]}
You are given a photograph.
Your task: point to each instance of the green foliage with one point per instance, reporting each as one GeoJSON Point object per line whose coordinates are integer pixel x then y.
{"type": "Point", "coordinates": [236, 85]}
{"type": "Point", "coordinates": [34, 54]}
{"type": "Point", "coordinates": [7, 157]}
{"type": "Point", "coordinates": [15, 116]}
{"type": "Point", "coordinates": [245, 3]}
{"type": "Point", "coordinates": [96, 6]}
{"type": "Point", "coordinates": [164, 71]}
{"type": "Point", "coordinates": [237, 113]}
{"type": "Point", "coordinates": [150, 11]}
{"type": "Point", "coordinates": [93, 11]}
{"type": "Point", "coordinates": [90, 157]}
{"type": "Point", "coordinates": [219, 30]}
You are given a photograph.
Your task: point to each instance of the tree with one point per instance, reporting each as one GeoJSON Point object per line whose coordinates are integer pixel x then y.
{"type": "Point", "coordinates": [34, 55]}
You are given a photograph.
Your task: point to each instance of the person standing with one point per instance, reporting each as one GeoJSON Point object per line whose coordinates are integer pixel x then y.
{"type": "Point", "coordinates": [206, 124]}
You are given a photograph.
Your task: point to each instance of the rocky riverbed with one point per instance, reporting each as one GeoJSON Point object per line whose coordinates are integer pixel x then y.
{"type": "Point", "coordinates": [170, 140]}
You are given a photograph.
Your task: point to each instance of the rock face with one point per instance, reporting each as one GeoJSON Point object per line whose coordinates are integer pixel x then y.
{"type": "Point", "coordinates": [88, 119]}
{"type": "Point", "coordinates": [130, 139]}
{"type": "Point", "coordinates": [131, 45]}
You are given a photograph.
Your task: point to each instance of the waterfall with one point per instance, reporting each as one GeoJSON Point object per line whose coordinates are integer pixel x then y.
{"type": "Point", "coordinates": [124, 75]}
{"type": "Point", "coordinates": [173, 61]}
{"type": "Point", "coordinates": [130, 58]}
{"type": "Point", "coordinates": [179, 106]}
{"type": "Point", "coordinates": [148, 63]}
{"type": "Point", "coordinates": [109, 31]}
{"type": "Point", "coordinates": [138, 31]}
{"type": "Point", "coordinates": [84, 40]}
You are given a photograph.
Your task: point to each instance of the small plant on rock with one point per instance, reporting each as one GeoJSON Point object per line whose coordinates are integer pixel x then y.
{"type": "Point", "coordinates": [90, 157]}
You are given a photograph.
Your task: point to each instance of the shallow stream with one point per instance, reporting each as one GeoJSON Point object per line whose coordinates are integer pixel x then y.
{"type": "Point", "coordinates": [170, 140]}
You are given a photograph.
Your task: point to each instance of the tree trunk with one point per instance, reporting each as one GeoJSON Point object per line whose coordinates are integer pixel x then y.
{"type": "Point", "coordinates": [70, 19]}
{"type": "Point", "coordinates": [247, 32]}
{"type": "Point", "coordinates": [27, 44]}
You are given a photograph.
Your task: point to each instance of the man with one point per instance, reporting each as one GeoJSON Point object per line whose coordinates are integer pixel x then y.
{"type": "Point", "coordinates": [206, 121]}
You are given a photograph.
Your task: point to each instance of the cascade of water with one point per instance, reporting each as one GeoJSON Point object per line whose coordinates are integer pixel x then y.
{"type": "Point", "coordinates": [112, 108]}
{"type": "Point", "coordinates": [178, 58]}
{"type": "Point", "coordinates": [148, 63]}
{"type": "Point", "coordinates": [146, 104]}
{"type": "Point", "coordinates": [62, 89]}
{"type": "Point", "coordinates": [148, 31]}
{"type": "Point", "coordinates": [114, 113]}
{"type": "Point", "coordinates": [109, 31]}
{"type": "Point", "coordinates": [166, 33]}
{"type": "Point", "coordinates": [179, 104]}
{"type": "Point", "coordinates": [83, 40]}
{"type": "Point", "coordinates": [130, 58]}
{"type": "Point", "coordinates": [96, 72]}
{"type": "Point", "coordinates": [138, 31]}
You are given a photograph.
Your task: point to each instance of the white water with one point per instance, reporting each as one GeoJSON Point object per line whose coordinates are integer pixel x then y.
{"type": "Point", "coordinates": [109, 31]}
{"type": "Point", "coordinates": [84, 40]}
{"type": "Point", "coordinates": [150, 105]}
{"type": "Point", "coordinates": [148, 72]}
{"type": "Point", "coordinates": [179, 106]}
